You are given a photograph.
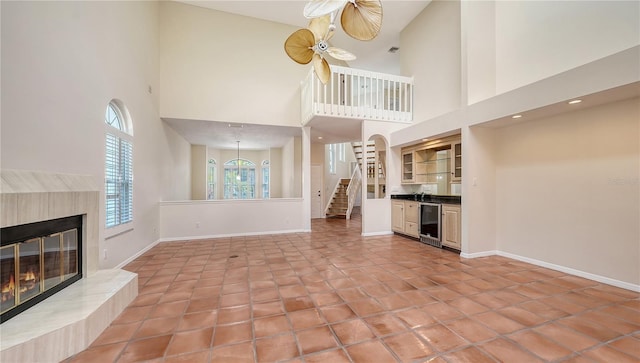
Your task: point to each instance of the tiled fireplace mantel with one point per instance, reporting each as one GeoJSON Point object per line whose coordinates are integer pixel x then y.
{"type": "Point", "coordinates": [69, 321]}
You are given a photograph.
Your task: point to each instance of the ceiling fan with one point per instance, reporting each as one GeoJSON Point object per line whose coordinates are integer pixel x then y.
{"type": "Point", "coordinates": [361, 19]}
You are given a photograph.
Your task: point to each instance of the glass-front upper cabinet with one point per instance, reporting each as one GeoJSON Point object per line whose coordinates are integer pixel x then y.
{"type": "Point", "coordinates": [407, 167]}
{"type": "Point", "coordinates": [456, 162]}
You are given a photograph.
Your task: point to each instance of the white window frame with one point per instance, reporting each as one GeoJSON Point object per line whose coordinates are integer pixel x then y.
{"type": "Point", "coordinates": [266, 179]}
{"type": "Point", "coordinates": [342, 153]}
{"type": "Point", "coordinates": [118, 178]}
{"type": "Point", "coordinates": [212, 174]}
{"type": "Point", "coordinates": [246, 185]}
{"type": "Point", "coordinates": [332, 159]}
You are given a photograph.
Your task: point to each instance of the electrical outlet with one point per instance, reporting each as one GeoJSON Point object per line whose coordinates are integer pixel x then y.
{"type": "Point", "coordinates": [197, 224]}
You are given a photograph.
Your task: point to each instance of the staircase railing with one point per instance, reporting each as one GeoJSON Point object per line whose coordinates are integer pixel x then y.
{"type": "Point", "coordinates": [326, 209]}
{"type": "Point", "coordinates": [352, 190]}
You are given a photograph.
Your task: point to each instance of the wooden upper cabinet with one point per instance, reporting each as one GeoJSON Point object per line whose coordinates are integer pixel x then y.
{"type": "Point", "coordinates": [408, 175]}
{"type": "Point", "coordinates": [433, 162]}
{"type": "Point", "coordinates": [456, 162]}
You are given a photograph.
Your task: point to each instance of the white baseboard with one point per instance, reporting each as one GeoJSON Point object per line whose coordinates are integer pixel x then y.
{"type": "Point", "coordinates": [213, 236]}
{"type": "Point", "coordinates": [478, 254]}
{"type": "Point", "coordinates": [371, 234]}
{"type": "Point", "coordinates": [136, 255]}
{"type": "Point", "coordinates": [568, 270]}
{"type": "Point", "coordinates": [571, 271]}
{"type": "Point", "coordinates": [193, 238]}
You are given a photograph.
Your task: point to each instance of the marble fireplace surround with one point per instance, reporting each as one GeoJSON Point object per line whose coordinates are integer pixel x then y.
{"type": "Point", "coordinates": [67, 322]}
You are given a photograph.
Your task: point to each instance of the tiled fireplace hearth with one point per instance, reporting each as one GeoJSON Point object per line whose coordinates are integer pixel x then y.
{"type": "Point", "coordinates": [64, 322]}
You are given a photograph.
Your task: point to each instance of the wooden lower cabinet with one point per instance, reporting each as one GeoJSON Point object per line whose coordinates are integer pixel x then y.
{"type": "Point", "coordinates": [404, 217]}
{"type": "Point", "coordinates": [397, 216]}
{"type": "Point", "coordinates": [451, 226]}
{"type": "Point", "coordinates": [411, 216]}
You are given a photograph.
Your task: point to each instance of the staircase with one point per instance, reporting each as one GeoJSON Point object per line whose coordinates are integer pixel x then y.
{"type": "Point", "coordinates": [366, 155]}
{"type": "Point", "coordinates": [339, 204]}
{"type": "Point", "coordinates": [372, 163]}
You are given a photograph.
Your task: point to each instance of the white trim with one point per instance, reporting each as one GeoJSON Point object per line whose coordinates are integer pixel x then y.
{"type": "Point", "coordinates": [568, 270]}
{"type": "Point", "coordinates": [371, 234]}
{"type": "Point", "coordinates": [213, 236]}
{"type": "Point", "coordinates": [136, 255]}
{"type": "Point", "coordinates": [478, 254]}
{"type": "Point", "coordinates": [118, 233]}
{"type": "Point", "coordinates": [229, 201]}
{"type": "Point", "coordinates": [571, 271]}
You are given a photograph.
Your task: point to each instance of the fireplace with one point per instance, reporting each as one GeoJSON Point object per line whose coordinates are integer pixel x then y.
{"type": "Point", "coordinates": [36, 261]}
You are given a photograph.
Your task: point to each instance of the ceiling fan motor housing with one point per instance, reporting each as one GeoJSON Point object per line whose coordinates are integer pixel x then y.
{"type": "Point", "coordinates": [322, 46]}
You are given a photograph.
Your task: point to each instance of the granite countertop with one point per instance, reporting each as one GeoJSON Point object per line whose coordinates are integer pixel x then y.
{"type": "Point", "coordinates": [430, 198]}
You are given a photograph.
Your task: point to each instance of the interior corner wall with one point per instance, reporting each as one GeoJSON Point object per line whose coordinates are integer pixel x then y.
{"type": "Point", "coordinates": [292, 168]}
{"type": "Point", "coordinates": [478, 191]}
{"type": "Point", "coordinates": [568, 190]}
{"type": "Point", "coordinates": [538, 39]}
{"type": "Point", "coordinates": [62, 62]}
{"type": "Point", "coordinates": [198, 172]}
{"type": "Point", "coordinates": [175, 169]}
{"type": "Point", "coordinates": [213, 64]}
{"type": "Point", "coordinates": [431, 53]}
{"type": "Point", "coordinates": [275, 172]}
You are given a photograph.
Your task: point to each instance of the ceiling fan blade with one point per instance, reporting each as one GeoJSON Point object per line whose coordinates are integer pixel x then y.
{"type": "Point", "coordinates": [298, 46]}
{"type": "Point", "coordinates": [322, 69]}
{"type": "Point", "coordinates": [319, 27]}
{"type": "Point", "coordinates": [316, 8]}
{"type": "Point", "coordinates": [362, 19]}
{"type": "Point", "coordinates": [341, 54]}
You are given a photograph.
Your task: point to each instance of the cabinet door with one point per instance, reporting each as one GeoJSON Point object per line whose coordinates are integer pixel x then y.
{"type": "Point", "coordinates": [411, 212]}
{"type": "Point", "coordinates": [397, 216]}
{"type": "Point", "coordinates": [407, 167]}
{"type": "Point", "coordinates": [456, 162]}
{"type": "Point", "coordinates": [411, 229]}
{"type": "Point", "coordinates": [451, 226]}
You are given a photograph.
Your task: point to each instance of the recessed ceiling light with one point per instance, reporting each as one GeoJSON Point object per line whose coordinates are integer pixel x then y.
{"type": "Point", "coordinates": [319, 137]}
{"type": "Point", "coordinates": [574, 102]}
{"type": "Point", "coordinates": [516, 116]}
{"type": "Point", "coordinates": [425, 139]}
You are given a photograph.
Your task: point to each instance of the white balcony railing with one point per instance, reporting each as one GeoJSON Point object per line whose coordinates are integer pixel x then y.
{"type": "Point", "coordinates": [354, 93]}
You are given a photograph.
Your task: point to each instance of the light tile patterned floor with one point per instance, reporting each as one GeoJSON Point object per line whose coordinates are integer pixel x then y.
{"type": "Point", "coordinates": [334, 296]}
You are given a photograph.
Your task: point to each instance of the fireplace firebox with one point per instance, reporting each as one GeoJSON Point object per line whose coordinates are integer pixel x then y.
{"type": "Point", "coordinates": [36, 261]}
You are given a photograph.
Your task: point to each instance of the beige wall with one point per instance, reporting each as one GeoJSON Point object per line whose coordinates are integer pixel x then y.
{"type": "Point", "coordinates": [275, 176]}
{"type": "Point", "coordinates": [292, 168]}
{"type": "Point", "coordinates": [430, 52]}
{"type": "Point", "coordinates": [62, 62]}
{"type": "Point", "coordinates": [537, 39]}
{"type": "Point", "coordinates": [213, 64]}
{"type": "Point", "coordinates": [198, 172]}
{"type": "Point", "coordinates": [478, 191]}
{"type": "Point", "coordinates": [567, 190]}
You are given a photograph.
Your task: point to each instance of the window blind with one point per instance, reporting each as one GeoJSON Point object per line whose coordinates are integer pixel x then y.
{"type": "Point", "coordinates": [118, 181]}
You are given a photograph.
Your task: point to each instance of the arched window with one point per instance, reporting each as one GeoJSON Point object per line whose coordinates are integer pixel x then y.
{"type": "Point", "coordinates": [239, 179]}
{"type": "Point", "coordinates": [265, 179]}
{"type": "Point", "coordinates": [211, 179]}
{"type": "Point", "coordinates": [118, 174]}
